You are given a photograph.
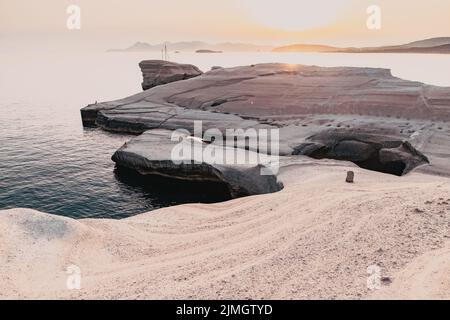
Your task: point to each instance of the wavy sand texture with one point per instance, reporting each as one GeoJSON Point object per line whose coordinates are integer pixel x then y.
{"type": "Point", "coordinates": [313, 239]}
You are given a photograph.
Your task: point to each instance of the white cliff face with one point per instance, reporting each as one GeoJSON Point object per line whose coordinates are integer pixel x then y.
{"type": "Point", "coordinates": [159, 72]}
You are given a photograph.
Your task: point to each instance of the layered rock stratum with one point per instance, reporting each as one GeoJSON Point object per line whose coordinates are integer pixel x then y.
{"type": "Point", "coordinates": [392, 125]}
{"type": "Point", "coordinates": [152, 154]}
{"type": "Point", "coordinates": [158, 72]}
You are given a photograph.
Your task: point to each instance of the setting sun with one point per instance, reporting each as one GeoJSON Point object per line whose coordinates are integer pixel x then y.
{"type": "Point", "coordinates": [295, 15]}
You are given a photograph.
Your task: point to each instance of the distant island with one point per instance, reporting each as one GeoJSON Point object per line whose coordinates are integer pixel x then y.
{"type": "Point", "coordinates": [208, 51]}
{"type": "Point", "coordinates": [305, 48]}
{"type": "Point", "coordinates": [433, 45]}
{"type": "Point", "coordinates": [194, 46]}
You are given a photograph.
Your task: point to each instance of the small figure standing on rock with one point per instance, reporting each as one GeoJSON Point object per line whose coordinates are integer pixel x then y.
{"type": "Point", "coordinates": [350, 177]}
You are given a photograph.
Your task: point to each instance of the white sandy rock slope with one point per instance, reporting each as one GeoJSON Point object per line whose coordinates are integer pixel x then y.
{"type": "Point", "coordinates": [314, 239]}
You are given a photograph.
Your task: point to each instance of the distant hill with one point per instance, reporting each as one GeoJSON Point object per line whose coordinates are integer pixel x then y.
{"type": "Point", "coordinates": [434, 45]}
{"type": "Point", "coordinates": [433, 42]}
{"type": "Point", "coordinates": [442, 49]}
{"type": "Point", "coordinates": [305, 48]}
{"type": "Point", "coordinates": [193, 46]}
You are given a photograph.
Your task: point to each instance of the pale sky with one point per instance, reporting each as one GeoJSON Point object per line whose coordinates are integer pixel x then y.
{"type": "Point", "coordinates": [118, 23]}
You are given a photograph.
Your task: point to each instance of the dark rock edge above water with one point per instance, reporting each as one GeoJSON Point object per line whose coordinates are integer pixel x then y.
{"type": "Point", "coordinates": [363, 115]}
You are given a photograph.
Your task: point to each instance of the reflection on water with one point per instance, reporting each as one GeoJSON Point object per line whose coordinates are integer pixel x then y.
{"type": "Point", "coordinates": [50, 163]}
{"type": "Point", "coordinates": [162, 192]}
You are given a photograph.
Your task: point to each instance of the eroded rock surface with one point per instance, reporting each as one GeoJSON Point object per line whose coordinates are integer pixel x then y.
{"type": "Point", "coordinates": [375, 152]}
{"type": "Point", "coordinates": [152, 153]}
{"type": "Point", "coordinates": [280, 92]}
{"type": "Point", "coordinates": [304, 102]}
{"type": "Point", "coordinates": [159, 72]}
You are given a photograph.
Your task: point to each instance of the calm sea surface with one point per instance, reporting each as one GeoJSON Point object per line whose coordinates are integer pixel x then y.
{"type": "Point", "coordinates": [50, 163]}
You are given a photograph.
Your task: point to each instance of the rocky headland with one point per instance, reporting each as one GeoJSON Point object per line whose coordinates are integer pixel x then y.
{"type": "Point", "coordinates": [302, 232]}
{"type": "Point", "coordinates": [362, 115]}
